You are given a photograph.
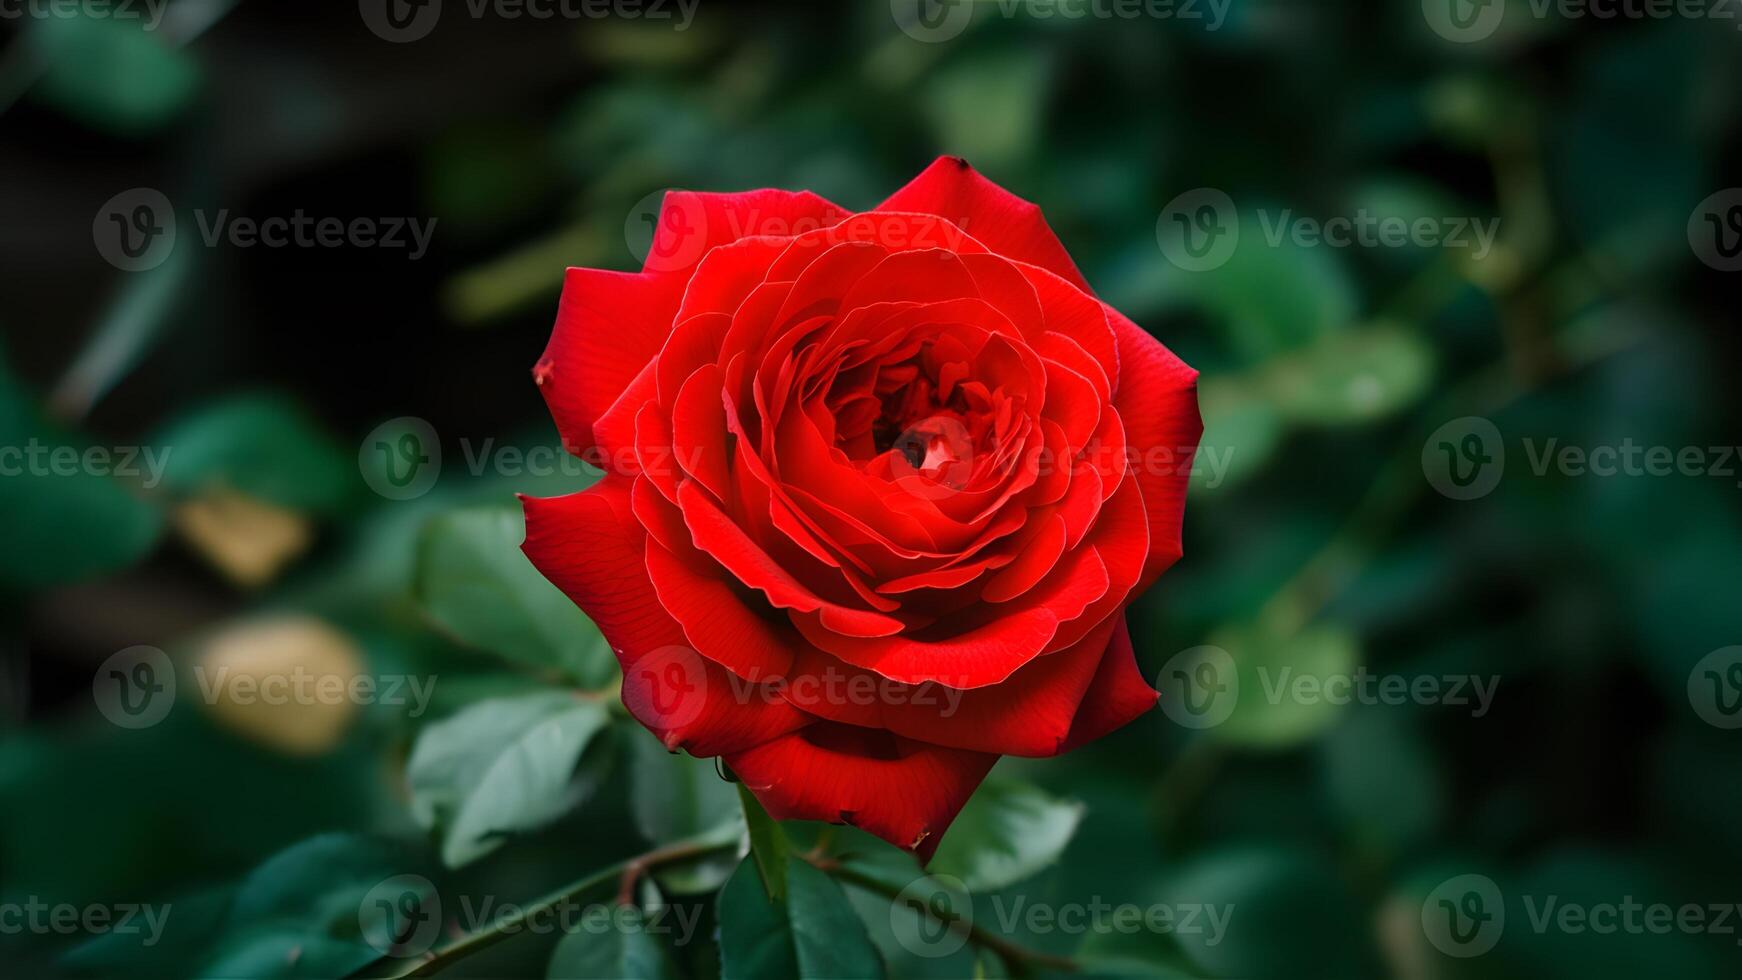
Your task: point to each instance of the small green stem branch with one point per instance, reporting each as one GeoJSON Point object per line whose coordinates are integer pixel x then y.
{"type": "Point", "coordinates": [1020, 960]}
{"type": "Point", "coordinates": [624, 872]}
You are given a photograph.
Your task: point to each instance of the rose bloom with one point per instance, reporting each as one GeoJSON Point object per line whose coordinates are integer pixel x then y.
{"type": "Point", "coordinates": [875, 498]}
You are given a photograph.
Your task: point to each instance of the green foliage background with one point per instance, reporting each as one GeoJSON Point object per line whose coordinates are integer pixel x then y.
{"type": "Point", "coordinates": [1322, 550]}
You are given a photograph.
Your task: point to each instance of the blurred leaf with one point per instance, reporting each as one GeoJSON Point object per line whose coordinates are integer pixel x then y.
{"type": "Point", "coordinates": [1351, 376]}
{"type": "Point", "coordinates": [1271, 298]}
{"type": "Point", "coordinates": [1280, 699]}
{"type": "Point", "coordinates": [675, 796]}
{"type": "Point", "coordinates": [1629, 117]}
{"type": "Point", "coordinates": [1008, 831]}
{"type": "Point", "coordinates": [299, 913]}
{"type": "Point", "coordinates": [112, 73]}
{"type": "Point", "coordinates": [1382, 779]}
{"type": "Point", "coordinates": [473, 580]}
{"type": "Point", "coordinates": [502, 767]}
{"type": "Point", "coordinates": [261, 444]}
{"type": "Point", "coordinates": [614, 946]}
{"type": "Point", "coordinates": [62, 517]}
{"type": "Point", "coordinates": [249, 540]}
{"type": "Point", "coordinates": [139, 317]}
{"type": "Point", "coordinates": [814, 932]}
{"type": "Point", "coordinates": [1283, 912]}
{"type": "Point", "coordinates": [1241, 427]}
{"type": "Point", "coordinates": [987, 106]}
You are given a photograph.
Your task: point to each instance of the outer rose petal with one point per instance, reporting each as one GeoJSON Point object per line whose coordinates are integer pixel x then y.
{"type": "Point", "coordinates": [589, 545]}
{"type": "Point", "coordinates": [609, 325]}
{"type": "Point", "coordinates": [1116, 696]}
{"type": "Point", "coordinates": [691, 223]}
{"type": "Point", "coordinates": [1158, 402]}
{"type": "Point", "coordinates": [903, 791]}
{"type": "Point", "coordinates": [1004, 223]}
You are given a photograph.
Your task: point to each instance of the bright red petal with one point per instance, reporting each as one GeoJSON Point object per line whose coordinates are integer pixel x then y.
{"type": "Point", "coordinates": [608, 328]}
{"type": "Point", "coordinates": [1117, 695]}
{"type": "Point", "coordinates": [903, 791]}
{"type": "Point", "coordinates": [998, 219]}
{"type": "Point", "coordinates": [1158, 402]}
{"type": "Point", "coordinates": [590, 545]}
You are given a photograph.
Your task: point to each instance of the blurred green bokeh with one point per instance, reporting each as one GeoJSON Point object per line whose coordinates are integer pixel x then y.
{"type": "Point", "coordinates": [261, 523]}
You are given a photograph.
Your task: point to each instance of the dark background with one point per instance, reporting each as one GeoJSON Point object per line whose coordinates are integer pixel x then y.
{"type": "Point", "coordinates": [532, 144]}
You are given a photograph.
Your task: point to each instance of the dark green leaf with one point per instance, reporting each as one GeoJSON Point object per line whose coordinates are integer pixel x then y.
{"type": "Point", "coordinates": [1008, 831]}
{"type": "Point", "coordinates": [613, 944]}
{"type": "Point", "coordinates": [473, 580]}
{"type": "Point", "coordinates": [813, 933]}
{"type": "Point", "coordinates": [501, 767]}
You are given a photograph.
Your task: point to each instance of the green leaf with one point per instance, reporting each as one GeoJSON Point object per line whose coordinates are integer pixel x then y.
{"type": "Point", "coordinates": [988, 107]}
{"type": "Point", "coordinates": [813, 933]}
{"type": "Point", "coordinates": [1008, 831]}
{"type": "Point", "coordinates": [261, 444]}
{"type": "Point", "coordinates": [1280, 699]}
{"type": "Point", "coordinates": [675, 796]}
{"type": "Point", "coordinates": [1268, 912]}
{"type": "Point", "coordinates": [1382, 779]}
{"type": "Point", "coordinates": [1351, 376]}
{"type": "Point", "coordinates": [63, 517]}
{"type": "Point", "coordinates": [768, 844]}
{"type": "Point", "coordinates": [1271, 298]}
{"type": "Point", "coordinates": [112, 73]}
{"type": "Point", "coordinates": [473, 580]}
{"type": "Point", "coordinates": [501, 767]}
{"type": "Point", "coordinates": [613, 943]}
{"type": "Point", "coordinates": [299, 912]}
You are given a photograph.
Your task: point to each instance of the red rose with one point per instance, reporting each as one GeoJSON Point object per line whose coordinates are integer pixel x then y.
{"type": "Point", "coordinates": [879, 489]}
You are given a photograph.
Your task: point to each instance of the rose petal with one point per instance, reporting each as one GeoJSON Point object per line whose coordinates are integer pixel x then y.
{"type": "Point", "coordinates": [903, 791]}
